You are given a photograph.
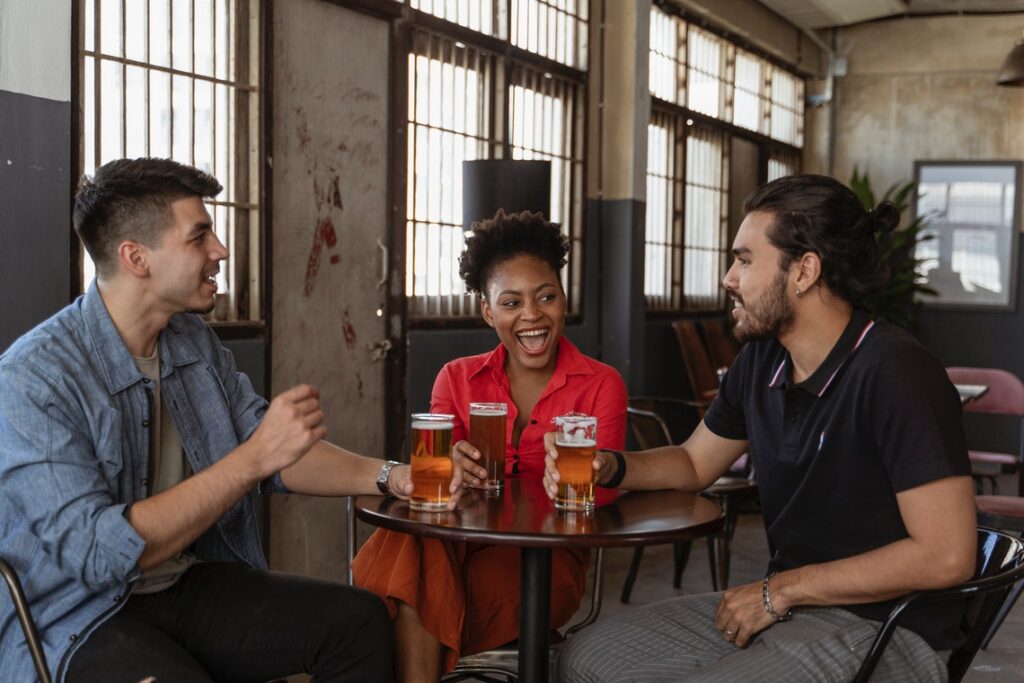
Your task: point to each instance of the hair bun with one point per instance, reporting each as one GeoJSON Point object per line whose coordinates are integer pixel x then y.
{"type": "Point", "coordinates": [884, 217]}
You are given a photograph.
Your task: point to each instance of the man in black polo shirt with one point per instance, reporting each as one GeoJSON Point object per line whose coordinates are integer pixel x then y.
{"type": "Point", "coordinates": [854, 431]}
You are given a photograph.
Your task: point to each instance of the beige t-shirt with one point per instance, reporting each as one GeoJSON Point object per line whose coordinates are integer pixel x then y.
{"type": "Point", "coordinates": [166, 469]}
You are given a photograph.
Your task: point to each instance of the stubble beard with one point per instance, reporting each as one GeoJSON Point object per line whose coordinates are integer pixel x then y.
{"type": "Point", "coordinates": [768, 317]}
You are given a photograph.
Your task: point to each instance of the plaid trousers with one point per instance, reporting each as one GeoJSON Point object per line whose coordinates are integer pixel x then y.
{"type": "Point", "coordinates": [676, 640]}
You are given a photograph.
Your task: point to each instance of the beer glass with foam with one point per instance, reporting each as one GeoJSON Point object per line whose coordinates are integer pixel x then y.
{"type": "Point", "coordinates": [487, 426]}
{"type": "Point", "coordinates": [431, 461]}
{"type": "Point", "coordinates": [576, 441]}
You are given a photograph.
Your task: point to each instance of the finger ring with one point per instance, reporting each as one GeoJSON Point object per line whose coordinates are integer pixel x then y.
{"type": "Point", "coordinates": [731, 634]}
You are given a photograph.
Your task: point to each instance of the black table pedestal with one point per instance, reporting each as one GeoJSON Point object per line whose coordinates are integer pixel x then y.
{"type": "Point", "coordinates": [534, 614]}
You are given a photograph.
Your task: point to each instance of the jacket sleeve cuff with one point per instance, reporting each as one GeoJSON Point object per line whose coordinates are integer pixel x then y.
{"type": "Point", "coordinates": [122, 541]}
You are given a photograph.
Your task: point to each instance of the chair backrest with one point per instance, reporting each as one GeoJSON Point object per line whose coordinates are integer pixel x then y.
{"type": "Point", "coordinates": [703, 380]}
{"type": "Point", "coordinates": [999, 565]}
{"type": "Point", "coordinates": [722, 346]}
{"type": "Point", "coordinates": [1005, 395]}
{"type": "Point", "coordinates": [649, 430]}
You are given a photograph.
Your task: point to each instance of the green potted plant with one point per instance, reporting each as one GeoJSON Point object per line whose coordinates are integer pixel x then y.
{"type": "Point", "coordinates": [895, 302]}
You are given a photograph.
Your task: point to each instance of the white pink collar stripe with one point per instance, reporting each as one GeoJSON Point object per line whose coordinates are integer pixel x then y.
{"type": "Point", "coordinates": [860, 339]}
{"type": "Point", "coordinates": [778, 371]}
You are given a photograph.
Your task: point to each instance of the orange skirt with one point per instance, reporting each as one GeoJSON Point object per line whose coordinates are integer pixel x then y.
{"type": "Point", "coordinates": [466, 594]}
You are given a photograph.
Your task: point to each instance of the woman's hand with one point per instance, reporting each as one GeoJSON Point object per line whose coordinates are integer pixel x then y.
{"type": "Point", "coordinates": [464, 457]}
{"type": "Point", "coordinates": [604, 466]}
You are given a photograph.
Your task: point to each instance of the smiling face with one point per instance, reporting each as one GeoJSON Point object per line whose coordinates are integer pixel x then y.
{"type": "Point", "coordinates": [184, 266]}
{"type": "Point", "coordinates": [525, 304]}
{"type": "Point", "coordinates": [758, 287]}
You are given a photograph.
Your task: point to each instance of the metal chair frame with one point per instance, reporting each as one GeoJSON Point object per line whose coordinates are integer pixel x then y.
{"type": "Point", "coordinates": [28, 626]}
{"type": "Point", "coordinates": [727, 493]}
{"type": "Point", "coordinates": [985, 594]}
{"type": "Point", "coordinates": [504, 660]}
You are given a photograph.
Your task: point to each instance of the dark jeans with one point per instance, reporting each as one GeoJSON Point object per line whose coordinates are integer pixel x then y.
{"type": "Point", "coordinates": [229, 622]}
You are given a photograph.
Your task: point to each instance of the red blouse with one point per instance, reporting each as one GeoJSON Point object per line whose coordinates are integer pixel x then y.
{"type": "Point", "coordinates": [579, 384]}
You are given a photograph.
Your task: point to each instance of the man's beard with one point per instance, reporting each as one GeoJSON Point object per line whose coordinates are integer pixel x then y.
{"type": "Point", "coordinates": [767, 317]}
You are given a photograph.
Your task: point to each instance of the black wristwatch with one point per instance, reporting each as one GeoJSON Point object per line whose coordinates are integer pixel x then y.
{"type": "Point", "coordinates": [382, 477]}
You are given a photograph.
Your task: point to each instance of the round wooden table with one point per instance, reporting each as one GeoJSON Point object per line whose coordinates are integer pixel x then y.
{"type": "Point", "coordinates": [524, 516]}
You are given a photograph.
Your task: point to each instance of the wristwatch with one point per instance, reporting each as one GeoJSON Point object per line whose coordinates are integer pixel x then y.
{"type": "Point", "coordinates": [382, 477]}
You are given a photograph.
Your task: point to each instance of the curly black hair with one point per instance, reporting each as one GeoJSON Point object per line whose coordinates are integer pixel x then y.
{"type": "Point", "coordinates": [815, 213]}
{"type": "Point", "coordinates": [495, 241]}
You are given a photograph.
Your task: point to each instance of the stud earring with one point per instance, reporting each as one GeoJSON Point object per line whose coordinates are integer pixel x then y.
{"type": "Point", "coordinates": [799, 293]}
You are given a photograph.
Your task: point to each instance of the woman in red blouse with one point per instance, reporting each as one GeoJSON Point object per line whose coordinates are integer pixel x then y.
{"type": "Point", "coordinates": [448, 598]}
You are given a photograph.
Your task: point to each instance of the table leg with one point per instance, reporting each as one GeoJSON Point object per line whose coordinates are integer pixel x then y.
{"type": "Point", "coordinates": [534, 614]}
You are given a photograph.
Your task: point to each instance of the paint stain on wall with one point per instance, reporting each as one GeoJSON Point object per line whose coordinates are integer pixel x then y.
{"type": "Point", "coordinates": [336, 193]}
{"type": "Point", "coordinates": [359, 384]}
{"type": "Point", "coordinates": [324, 235]}
{"type": "Point", "coordinates": [349, 330]}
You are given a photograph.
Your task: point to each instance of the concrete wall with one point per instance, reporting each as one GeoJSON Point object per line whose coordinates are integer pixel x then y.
{"type": "Point", "coordinates": [35, 161]}
{"type": "Point", "coordinates": [937, 100]}
{"type": "Point", "coordinates": [330, 139]}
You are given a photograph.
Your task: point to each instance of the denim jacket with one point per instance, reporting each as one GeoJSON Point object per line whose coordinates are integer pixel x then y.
{"type": "Point", "coordinates": [74, 456]}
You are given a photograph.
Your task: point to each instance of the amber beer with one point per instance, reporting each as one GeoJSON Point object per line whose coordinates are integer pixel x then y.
{"type": "Point", "coordinates": [576, 441]}
{"type": "Point", "coordinates": [487, 425]}
{"type": "Point", "coordinates": [431, 461]}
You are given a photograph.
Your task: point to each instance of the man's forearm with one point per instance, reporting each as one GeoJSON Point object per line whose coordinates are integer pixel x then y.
{"type": "Point", "coordinates": [327, 470]}
{"type": "Point", "coordinates": [881, 574]}
{"type": "Point", "coordinates": [939, 552]}
{"type": "Point", "coordinates": [171, 520]}
{"type": "Point", "coordinates": [669, 467]}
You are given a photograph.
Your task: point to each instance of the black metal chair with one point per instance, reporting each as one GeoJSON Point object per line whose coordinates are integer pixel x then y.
{"type": "Point", "coordinates": [651, 431]}
{"type": "Point", "coordinates": [28, 626]}
{"type": "Point", "coordinates": [1000, 564]}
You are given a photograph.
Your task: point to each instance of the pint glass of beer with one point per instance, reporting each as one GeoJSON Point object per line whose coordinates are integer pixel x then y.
{"type": "Point", "coordinates": [576, 441]}
{"type": "Point", "coordinates": [487, 423]}
{"type": "Point", "coordinates": [431, 461]}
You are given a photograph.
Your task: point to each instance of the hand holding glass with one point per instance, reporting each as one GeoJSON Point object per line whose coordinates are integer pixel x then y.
{"type": "Point", "coordinates": [576, 442]}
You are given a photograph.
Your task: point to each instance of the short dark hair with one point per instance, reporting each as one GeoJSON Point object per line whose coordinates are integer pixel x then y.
{"type": "Point", "coordinates": [818, 214]}
{"type": "Point", "coordinates": [495, 241]}
{"type": "Point", "coordinates": [130, 199]}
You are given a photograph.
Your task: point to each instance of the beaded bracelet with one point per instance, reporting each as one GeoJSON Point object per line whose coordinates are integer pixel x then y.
{"type": "Point", "coordinates": [766, 598]}
{"type": "Point", "coordinates": [620, 471]}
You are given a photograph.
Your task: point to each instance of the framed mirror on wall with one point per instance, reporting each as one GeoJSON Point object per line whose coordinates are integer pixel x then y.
{"type": "Point", "coordinates": [972, 211]}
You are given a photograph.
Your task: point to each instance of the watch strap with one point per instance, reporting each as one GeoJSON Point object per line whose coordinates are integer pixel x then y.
{"type": "Point", "coordinates": [382, 478]}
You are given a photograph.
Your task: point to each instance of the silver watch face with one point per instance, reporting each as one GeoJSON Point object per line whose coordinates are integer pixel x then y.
{"type": "Point", "coordinates": [382, 477]}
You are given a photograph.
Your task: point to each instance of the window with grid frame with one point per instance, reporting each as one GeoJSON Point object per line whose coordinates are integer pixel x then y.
{"type": "Point", "coordinates": [782, 163]}
{"type": "Point", "coordinates": [694, 71]}
{"type": "Point", "coordinates": [705, 247]}
{"type": "Point", "coordinates": [663, 254]}
{"type": "Point", "coordinates": [554, 29]}
{"type": "Point", "coordinates": [546, 114]}
{"type": "Point", "coordinates": [180, 79]}
{"type": "Point", "coordinates": [686, 250]}
{"type": "Point", "coordinates": [460, 108]}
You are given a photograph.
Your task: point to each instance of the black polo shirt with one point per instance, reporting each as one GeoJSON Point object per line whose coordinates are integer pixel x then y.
{"type": "Point", "coordinates": [879, 416]}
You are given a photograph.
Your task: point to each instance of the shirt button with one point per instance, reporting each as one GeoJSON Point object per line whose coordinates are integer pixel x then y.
{"type": "Point", "coordinates": [145, 380]}
{"type": "Point", "coordinates": [74, 637]}
{"type": "Point", "coordinates": [533, 422]}
{"type": "Point", "coordinates": [145, 482]}
{"type": "Point", "coordinates": [145, 423]}
{"type": "Point", "coordinates": [117, 598]}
